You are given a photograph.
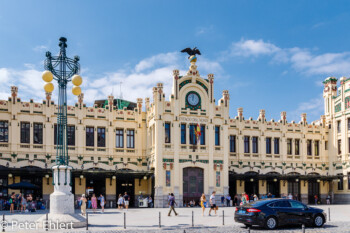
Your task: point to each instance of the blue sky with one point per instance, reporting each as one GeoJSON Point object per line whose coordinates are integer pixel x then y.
{"type": "Point", "coordinates": [270, 55]}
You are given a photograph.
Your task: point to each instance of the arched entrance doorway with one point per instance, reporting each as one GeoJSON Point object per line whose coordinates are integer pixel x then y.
{"type": "Point", "coordinates": [294, 185]}
{"type": "Point", "coordinates": [193, 185]}
{"type": "Point", "coordinates": [273, 184]}
{"type": "Point", "coordinates": [251, 183]}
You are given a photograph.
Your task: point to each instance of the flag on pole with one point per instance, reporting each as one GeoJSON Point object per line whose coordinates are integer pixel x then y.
{"type": "Point", "coordinates": [197, 131]}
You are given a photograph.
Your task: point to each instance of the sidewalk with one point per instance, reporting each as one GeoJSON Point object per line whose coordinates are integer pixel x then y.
{"type": "Point", "coordinates": [147, 219]}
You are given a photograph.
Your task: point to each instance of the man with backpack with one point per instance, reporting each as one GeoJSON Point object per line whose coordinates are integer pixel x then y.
{"type": "Point", "coordinates": [172, 204]}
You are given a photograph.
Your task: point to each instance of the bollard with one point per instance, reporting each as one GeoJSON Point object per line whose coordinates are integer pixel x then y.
{"type": "Point", "coordinates": [3, 223]}
{"type": "Point", "coordinates": [223, 217]}
{"type": "Point", "coordinates": [329, 214]}
{"type": "Point", "coordinates": [303, 228]}
{"type": "Point", "coordinates": [192, 219]}
{"type": "Point", "coordinates": [87, 221]}
{"type": "Point", "coordinates": [124, 220]}
{"type": "Point", "coordinates": [248, 229]}
{"type": "Point", "coordinates": [159, 221]}
{"type": "Point", "coordinates": [47, 222]}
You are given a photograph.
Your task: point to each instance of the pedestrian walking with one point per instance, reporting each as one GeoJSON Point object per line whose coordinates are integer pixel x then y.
{"type": "Point", "coordinates": [102, 202]}
{"type": "Point", "coordinates": [12, 202]}
{"type": "Point", "coordinates": [328, 199]}
{"type": "Point", "coordinates": [244, 199]}
{"type": "Point", "coordinates": [172, 204]}
{"type": "Point", "coordinates": [83, 204]}
{"type": "Point", "coordinates": [236, 200]}
{"type": "Point", "coordinates": [228, 200]}
{"type": "Point", "coordinates": [94, 202]}
{"type": "Point", "coordinates": [255, 197]}
{"type": "Point", "coordinates": [150, 202]}
{"type": "Point", "coordinates": [203, 203]}
{"type": "Point", "coordinates": [222, 200]}
{"type": "Point", "coordinates": [316, 199]}
{"type": "Point", "coordinates": [212, 203]}
{"type": "Point", "coordinates": [89, 202]}
{"type": "Point", "coordinates": [23, 204]}
{"type": "Point", "coordinates": [290, 196]}
{"type": "Point", "coordinates": [19, 202]}
{"type": "Point", "coordinates": [120, 201]}
{"type": "Point", "coordinates": [126, 200]}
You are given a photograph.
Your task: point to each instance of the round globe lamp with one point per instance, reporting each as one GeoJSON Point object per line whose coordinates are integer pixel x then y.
{"type": "Point", "coordinates": [76, 90]}
{"type": "Point", "coordinates": [47, 76]}
{"type": "Point", "coordinates": [77, 80]}
{"type": "Point", "coordinates": [48, 87]}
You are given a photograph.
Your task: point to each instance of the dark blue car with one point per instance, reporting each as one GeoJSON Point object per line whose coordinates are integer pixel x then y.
{"type": "Point", "coordinates": [271, 213]}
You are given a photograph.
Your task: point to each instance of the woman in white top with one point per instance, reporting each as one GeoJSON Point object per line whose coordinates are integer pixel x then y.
{"type": "Point", "coordinates": [23, 204]}
{"type": "Point", "coordinates": [120, 201]}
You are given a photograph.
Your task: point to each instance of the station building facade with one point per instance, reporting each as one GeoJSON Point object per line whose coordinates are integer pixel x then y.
{"type": "Point", "coordinates": [150, 148]}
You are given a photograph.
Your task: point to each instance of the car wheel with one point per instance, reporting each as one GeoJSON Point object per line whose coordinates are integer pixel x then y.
{"type": "Point", "coordinates": [318, 221]}
{"type": "Point", "coordinates": [271, 223]}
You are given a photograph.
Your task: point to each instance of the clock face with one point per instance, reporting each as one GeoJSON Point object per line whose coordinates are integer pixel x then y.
{"type": "Point", "coordinates": [193, 99]}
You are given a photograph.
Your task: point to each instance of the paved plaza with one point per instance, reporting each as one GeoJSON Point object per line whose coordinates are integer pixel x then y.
{"type": "Point", "coordinates": [147, 220]}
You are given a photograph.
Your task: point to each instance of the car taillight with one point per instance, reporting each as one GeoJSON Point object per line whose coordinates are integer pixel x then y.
{"type": "Point", "coordinates": [252, 210]}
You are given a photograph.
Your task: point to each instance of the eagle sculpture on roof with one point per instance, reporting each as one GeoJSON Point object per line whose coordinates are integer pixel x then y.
{"type": "Point", "coordinates": [191, 52]}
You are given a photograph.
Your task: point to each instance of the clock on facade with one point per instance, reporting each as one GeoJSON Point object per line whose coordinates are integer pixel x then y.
{"type": "Point", "coordinates": [193, 99]}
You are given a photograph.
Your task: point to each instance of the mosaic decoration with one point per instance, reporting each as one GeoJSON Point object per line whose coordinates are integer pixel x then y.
{"type": "Point", "coordinates": [347, 102]}
{"type": "Point", "coordinates": [184, 83]}
{"type": "Point", "coordinates": [202, 85]}
{"type": "Point", "coordinates": [338, 107]}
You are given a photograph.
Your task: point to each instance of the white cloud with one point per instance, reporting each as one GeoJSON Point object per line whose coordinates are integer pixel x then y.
{"type": "Point", "coordinates": [137, 81]}
{"type": "Point", "coordinates": [204, 30]}
{"type": "Point", "coordinates": [302, 60]}
{"type": "Point", "coordinates": [252, 48]}
{"type": "Point", "coordinates": [40, 48]}
{"type": "Point", "coordinates": [313, 108]}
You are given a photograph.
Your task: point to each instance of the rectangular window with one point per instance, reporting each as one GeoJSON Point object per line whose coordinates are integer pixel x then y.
{"type": "Point", "coordinates": [246, 144]}
{"type": "Point", "coordinates": [317, 147]}
{"type": "Point", "coordinates": [71, 135]}
{"type": "Point", "coordinates": [193, 138]}
{"type": "Point", "coordinates": [130, 138]}
{"type": "Point", "coordinates": [308, 147]}
{"type": "Point", "coordinates": [202, 139]}
{"type": "Point", "coordinates": [119, 138]}
{"type": "Point", "coordinates": [25, 132]}
{"type": "Point", "coordinates": [167, 132]}
{"type": "Point", "coordinates": [90, 136]}
{"type": "Point", "coordinates": [341, 183]}
{"type": "Point", "coordinates": [297, 146]}
{"type": "Point", "coordinates": [326, 145]}
{"type": "Point", "coordinates": [55, 135]}
{"type": "Point", "coordinates": [349, 181]}
{"type": "Point", "coordinates": [277, 145]}
{"type": "Point", "coordinates": [217, 179]}
{"type": "Point", "coordinates": [339, 126]}
{"type": "Point", "coordinates": [255, 145]}
{"type": "Point", "coordinates": [4, 131]}
{"type": "Point", "coordinates": [38, 133]}
{"type": "Point", "coordinates": [217, 135]}
{"type": "Point", "coordinates": [268, 145]}
{"type": "Point", "coordinates": [167, 178]}
{"type": "Point", "coordinates": [289, 146]}
{"type": "Point", "coordinates": [183, 133]}
{"type": "Point", "coordinates": [348, 123]}
{"type": "Point", "coordinates": [233, 143]}
{"type": "Point", "coordinates": [101, 137]}
{"type": "Point", "coordinates": [339, 147]}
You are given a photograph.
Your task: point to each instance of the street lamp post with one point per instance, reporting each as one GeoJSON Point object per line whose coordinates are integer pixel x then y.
{"type": "Point", "coordinates": [63, 70]}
